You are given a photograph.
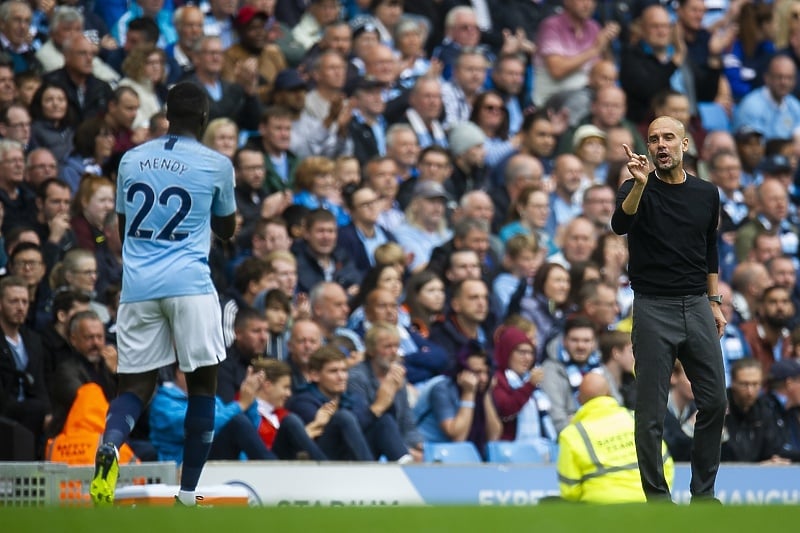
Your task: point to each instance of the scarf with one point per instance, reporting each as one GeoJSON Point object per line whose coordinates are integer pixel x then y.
{"type": "Point", "coordinates": [438, 136]}
{"type": "Point", "coordinates": [534, 424]}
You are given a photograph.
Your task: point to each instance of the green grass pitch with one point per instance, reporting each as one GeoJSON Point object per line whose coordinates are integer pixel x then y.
{"type": "Point", "coordinates": [555, 518]}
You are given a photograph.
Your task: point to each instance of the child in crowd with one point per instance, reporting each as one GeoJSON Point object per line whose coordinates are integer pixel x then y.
{"type": "Point", "coordinates": [277, 308]}
{"type": "Point", "coordinates": [522, 259]}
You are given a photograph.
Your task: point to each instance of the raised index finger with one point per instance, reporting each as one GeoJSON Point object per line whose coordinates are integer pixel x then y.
{"type": "Point", "coordinates": [628, 151]}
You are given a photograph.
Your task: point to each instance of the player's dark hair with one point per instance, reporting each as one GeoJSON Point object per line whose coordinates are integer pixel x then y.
{"type": "Point", "coordinates": [187, 108]}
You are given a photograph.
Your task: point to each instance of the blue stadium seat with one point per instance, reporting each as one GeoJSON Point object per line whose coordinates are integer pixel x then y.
{"type": "Point", "coordinates": [713, 117]}
{"type": "Point", "coordinates": [513, 452]}
{"type": "Point", "coordinates": [451, 453]}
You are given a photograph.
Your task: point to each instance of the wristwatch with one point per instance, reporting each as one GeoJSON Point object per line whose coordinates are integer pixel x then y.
{"type": "Point", "coordinates": [715, 298]}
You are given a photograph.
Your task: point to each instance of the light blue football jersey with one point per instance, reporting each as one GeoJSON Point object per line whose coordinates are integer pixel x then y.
{"type": "Point", "coordinates": [168, 189]}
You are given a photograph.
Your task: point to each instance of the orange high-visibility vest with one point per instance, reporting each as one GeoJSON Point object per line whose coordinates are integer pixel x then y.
{"type": "Point", "coordinates": [77, 443]}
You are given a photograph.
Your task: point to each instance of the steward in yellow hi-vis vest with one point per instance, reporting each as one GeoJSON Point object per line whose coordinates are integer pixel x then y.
{"type": "Point", "coordinates": [597, 453]}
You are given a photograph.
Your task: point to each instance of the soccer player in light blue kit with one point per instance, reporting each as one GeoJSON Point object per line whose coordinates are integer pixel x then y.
{"type": "Point", "coordinates": [171, 193]}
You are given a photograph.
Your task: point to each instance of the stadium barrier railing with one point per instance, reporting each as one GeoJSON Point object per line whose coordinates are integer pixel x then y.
{"type": "Point", "coordinates": [36, 484]}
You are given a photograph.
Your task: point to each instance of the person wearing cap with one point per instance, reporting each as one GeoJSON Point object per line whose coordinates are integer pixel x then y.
{"type": "Point", "coordinates": [751, 426]}
{"type": "Point", "coordinates": [458, 94]}
{"type": "Point", "coordinates": [466, 142]}
{"type": "Point", "coordinates": [750, 147]}
{"type": "Point", "coordinates": [254, 59]}
{"type": "Point", "coordinates": [772, 216]}
{"type": "Point", "coordinates": [772, 109]}
{"type": "Point", "coordinates": [311, 136]}
{"type": "Point", "coordinates": [227, 99]}
{"type": "Point", "coordinates": [425, 226]}
{"type": "Point", "coordinates": [319, 14]}
{"type": "Point", "coordinates": [783, 386]}
{"type": "Point", "coordinates": [367, 129]}
{"type": "Point", "coordinates": [589, 145]}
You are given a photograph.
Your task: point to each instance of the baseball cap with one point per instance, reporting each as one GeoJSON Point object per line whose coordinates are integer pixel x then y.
{"type": "Point", "coordinates": [430, 189]}
{"type": "Point", "coordinates": [784, 369]}
{"type": "Point", "coordinates": [776, 163]}
{"type": "Point", "coordinates": [364, 83]}
{"type": "Point", "coordinates": [246, 14]}
{"type": "Point", "coordinates": [745, 132]}
{"type": "Point", "coordinates": [587, 131]}
{"type": "Point", "coordinates": [288, 80]}
{"type": "Point", "coordinates": [363, 27]}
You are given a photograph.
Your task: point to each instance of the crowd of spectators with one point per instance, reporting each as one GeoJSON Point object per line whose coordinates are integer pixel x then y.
{"type": "Point", "coordinates": [424, 195]}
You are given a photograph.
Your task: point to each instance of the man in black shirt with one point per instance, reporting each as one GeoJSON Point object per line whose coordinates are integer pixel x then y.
{"type": "Point", "coordinates": [671, 220]}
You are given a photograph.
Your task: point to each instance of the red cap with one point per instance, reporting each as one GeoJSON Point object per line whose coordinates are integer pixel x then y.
{"type": "Point", "coordinates": [248, 13]}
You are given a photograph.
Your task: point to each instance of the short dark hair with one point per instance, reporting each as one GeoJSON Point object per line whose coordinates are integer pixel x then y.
{"type": "Point", "coordinates": [316, 216]}
{"type": "Point", "coordinates": [24, 247]}
{"type": "Point", "coordinates": [250, 270]}
{"type": "Point", "coordinates": [65, 299]}
{"type": "Point", "coordinates": [245, 315]}
{"type": "Point", "coordinates": [146, 26]}
{"type": "Point", "coordinates": [275, 111]}
{"type": "Point", "coordinates": [187, 102]}
{"type": "Point", "coordinates": [41, 190]}
{"type": "Point", "coordinates": [277, 298]}
{"type": "Point", "coordinates": [120, 91]}
{"type": "Point", "coordinates": [578, 322]}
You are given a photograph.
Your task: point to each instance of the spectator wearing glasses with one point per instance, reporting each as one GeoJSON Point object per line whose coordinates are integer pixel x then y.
{"type": "Point", "coordinates": [15, 122]}
{"type": "Point", "coordinates": [18, 201]}
{"type": "Point", "coordinates": [66, 23]}
{"type": "Point", "coordinates": [87, 95]}
{"type": "Point", "coordinates": [15, 26]}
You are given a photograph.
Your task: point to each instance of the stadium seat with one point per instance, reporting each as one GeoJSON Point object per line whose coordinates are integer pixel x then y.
{"type": "Point", "coordinates": [451, 453]}
{"type": "Point", "coordinates": [513, 452]}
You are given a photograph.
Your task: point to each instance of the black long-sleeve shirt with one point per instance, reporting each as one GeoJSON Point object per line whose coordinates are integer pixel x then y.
{"type": "Point", "coordinates": [672, 237]}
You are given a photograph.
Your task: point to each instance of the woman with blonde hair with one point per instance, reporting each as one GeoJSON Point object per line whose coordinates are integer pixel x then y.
{"type": "Point", "coordinates": [315, 186]}
{"type": "Point", "coordinates": [145, 72]}
{"type": "Point", "coordinates": [222, 135]}
{"type": "Point", "coordinates": [90, 207]}
{"type": "Point", "coordinates": [78, 272]}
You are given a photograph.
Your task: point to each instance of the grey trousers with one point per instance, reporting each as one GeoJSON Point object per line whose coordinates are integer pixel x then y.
{"type": "Point", "coordinates": [666, 328]}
